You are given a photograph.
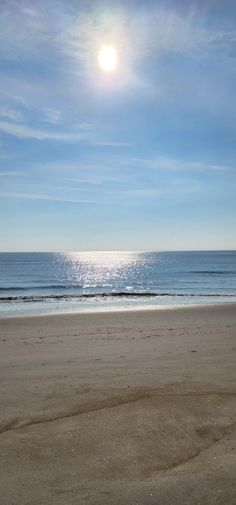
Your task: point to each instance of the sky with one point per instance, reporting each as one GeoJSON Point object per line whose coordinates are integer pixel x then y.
{"type": "Point", "coordinates": [140, 158]}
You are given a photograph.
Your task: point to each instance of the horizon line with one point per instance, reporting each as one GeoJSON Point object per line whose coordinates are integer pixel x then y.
{"type": "Point", "coordinates": [115, 250]}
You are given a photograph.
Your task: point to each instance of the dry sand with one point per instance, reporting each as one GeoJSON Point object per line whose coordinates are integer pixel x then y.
{"type": "Point", "coordinates": [119, 409]}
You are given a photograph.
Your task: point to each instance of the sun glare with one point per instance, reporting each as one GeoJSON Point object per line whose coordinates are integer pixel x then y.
{"type": "Point", "coordinates": [107, 58]}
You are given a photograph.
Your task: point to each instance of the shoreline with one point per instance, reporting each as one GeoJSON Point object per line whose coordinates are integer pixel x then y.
{"type": "Point", "coordinates": [128, 309]}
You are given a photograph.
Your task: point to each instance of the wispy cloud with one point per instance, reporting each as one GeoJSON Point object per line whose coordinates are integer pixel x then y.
{"type": "Point", "coordinates": [53, 116]}
{"type": "Point", "coordinates": [95, 180]}
{"type": "Point", "coordinates": [27, 132]}
{"type": "Point", "coordinates": [26, 31]}
{"type": "Point", "coordinates": [160, 190]}
{"type": "Point", "coordinates": [7, 95]}
{"type": "Point", "coordinates": [48, 197]}
{"type": "Point", "coordinates": [10, 174]}
{"type": "Point", "coordinates": [110, 143]}
{"type": "Point", "coordinates": [145, 192]}
{"type": "Point", "coordinates": [180, 165]}
{"type": "Point", "coordinates": [63, 41]}
{"type": "Point", "coordinates": [13, 115]}
{"type": "Point", "coordinates": [141, 32]}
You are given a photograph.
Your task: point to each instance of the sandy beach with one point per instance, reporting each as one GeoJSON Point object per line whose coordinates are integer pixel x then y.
{"type": "Point", "coordinates": [126, 408]}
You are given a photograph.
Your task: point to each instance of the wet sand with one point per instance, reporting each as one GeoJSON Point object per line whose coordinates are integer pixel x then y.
{"type": "Point", "coordinates": [119, 408]}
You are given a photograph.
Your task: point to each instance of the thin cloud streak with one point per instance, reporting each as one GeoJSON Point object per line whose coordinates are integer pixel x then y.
{"type": "Point", "coordinates": [32, 196]}
{"type": "Point", "coordinates": [27, 132]}
{"type": "Point", "coordinates": [179, 165]}
{"type": "Point", "coordinates": [167, 190]}
{"type": "Point", "coordinates": [110, 143]}
{"type": "Point", "coordinates": [10, 174]}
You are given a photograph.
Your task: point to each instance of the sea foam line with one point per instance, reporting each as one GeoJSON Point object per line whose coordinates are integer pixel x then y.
{"type": "Point", "coordinates": [107, 295]}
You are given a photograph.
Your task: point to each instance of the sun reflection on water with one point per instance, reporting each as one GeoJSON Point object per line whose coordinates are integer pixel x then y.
{"type": "Point", "coordinates": [91, 269]}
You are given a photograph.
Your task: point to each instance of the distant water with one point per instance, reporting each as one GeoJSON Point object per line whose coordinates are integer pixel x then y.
{"type": "Point", "coordinates": [33, 283]}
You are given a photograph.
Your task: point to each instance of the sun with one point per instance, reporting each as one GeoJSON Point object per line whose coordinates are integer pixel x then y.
{"type": "Point", "coordinates": [107, 58]}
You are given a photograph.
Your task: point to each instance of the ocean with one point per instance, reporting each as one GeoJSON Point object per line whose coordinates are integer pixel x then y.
{"type": "Point", "coordinates": [42, 283]}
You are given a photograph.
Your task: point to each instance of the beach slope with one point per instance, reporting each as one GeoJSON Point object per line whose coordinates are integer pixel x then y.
{"type": "Point", "coordinates": [119, 408]}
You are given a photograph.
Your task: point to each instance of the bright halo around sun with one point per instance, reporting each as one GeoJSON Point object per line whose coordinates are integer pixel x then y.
{"type": "Point", "coordinates": [107, 58]}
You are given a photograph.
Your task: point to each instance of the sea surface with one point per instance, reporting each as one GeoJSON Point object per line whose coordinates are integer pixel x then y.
{"type": "Point", "coordinates": [41, 283]}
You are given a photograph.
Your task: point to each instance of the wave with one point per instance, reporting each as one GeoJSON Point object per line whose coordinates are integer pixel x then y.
{"type": "Point", "coordinates": [107, 295]}
{"type": "Point", "coordinates": [49, 286]}
{"type": "Point", "coordinates": [213, 272]}
{"type": "Point", "coordinates": [9, 288]}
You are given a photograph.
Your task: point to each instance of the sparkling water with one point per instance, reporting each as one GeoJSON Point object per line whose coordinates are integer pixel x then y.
{"type": "Point", "coordinates": [32, 283]}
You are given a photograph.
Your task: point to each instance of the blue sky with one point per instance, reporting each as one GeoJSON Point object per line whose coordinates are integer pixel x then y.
{"type": "Point", "coordinates": [142, 158]}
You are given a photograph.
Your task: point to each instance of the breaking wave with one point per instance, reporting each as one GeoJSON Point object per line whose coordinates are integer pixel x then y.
{"type": "Point", "coordinates": [106, 295]}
